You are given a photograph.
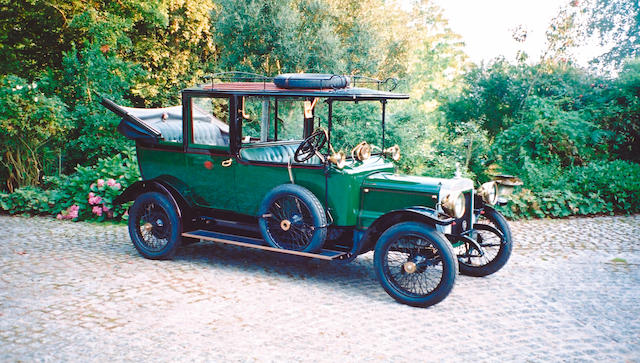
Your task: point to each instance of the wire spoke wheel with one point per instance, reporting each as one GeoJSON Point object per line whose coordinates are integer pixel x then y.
{"type": "Point", "coordinates": [152, 227]}
{"type": "Point", "coordinates": [415, 264]}
{"type": "Point", "coordinates": [489, 241]}
{"type": "Point", "coordinates": [292, 218]}
{"type": "Point", "coordinates": [493, 235]}
{"type": "Point", "coordinates": [290, 223]}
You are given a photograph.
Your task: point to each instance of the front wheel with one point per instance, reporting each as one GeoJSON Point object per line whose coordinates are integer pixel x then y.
{"type": "Point", "coordinates": [415, 264]}
{"type": "Point", "coordinates": [496, 247]}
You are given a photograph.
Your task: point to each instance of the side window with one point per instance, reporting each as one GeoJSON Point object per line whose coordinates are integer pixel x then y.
{"type": "Point", "coordinates": [274, 119]}
{"type": "Point", "coordinates": [210, 121]}
{"type": "Point", "coordinates": [258, 114]}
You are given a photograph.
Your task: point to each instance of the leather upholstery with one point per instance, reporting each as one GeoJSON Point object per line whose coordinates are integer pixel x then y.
{"type": "Point", "coordinates": [275, 154]}
{"type": "Point", "coordinates": [171, 130]}
{"type": "Point", "coordinates": [207, 130]}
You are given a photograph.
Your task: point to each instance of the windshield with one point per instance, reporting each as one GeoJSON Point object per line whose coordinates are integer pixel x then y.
{"type": "Point", "coordinates": [270, 119]}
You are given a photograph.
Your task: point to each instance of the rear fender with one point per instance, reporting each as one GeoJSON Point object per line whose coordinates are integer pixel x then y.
{"type": "Point", "coordinates": [145, 186]}
{"type": "Point", "coordinates": [424, 215]}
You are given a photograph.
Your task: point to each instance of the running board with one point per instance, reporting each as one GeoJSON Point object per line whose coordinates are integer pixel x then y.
{"type": "Point", "coordinates": [259, 244]}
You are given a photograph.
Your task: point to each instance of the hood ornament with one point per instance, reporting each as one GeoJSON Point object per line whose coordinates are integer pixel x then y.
{"type": "Point", "coordinates": [458, 173]}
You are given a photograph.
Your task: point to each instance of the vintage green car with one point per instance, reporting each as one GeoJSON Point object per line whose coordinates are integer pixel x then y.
{"type": "Point", "coordinates": [250, 162]}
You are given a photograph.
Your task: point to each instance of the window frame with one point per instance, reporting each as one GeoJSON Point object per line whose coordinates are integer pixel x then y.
{"type": "Point", "coordinates": [187, 126]}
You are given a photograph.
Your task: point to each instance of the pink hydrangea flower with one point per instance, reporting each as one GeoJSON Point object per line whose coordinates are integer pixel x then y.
{"type": "Point", "coordinates": [97, 210]}
{"type": "Point", "coordinates": [100, 183]}
{"type": "Point", "coordinates": [73, 213]}
{"type": "Point", "coordinates": [117, 186]}
{"type": "Point", "coordinates": [105, 208]}
{"type": "Point", "coordinates": [59, 216]}
{"type": "Point", "coordinates": [111, 182]}
{"type": "Point", "coordinates": [95, 200]}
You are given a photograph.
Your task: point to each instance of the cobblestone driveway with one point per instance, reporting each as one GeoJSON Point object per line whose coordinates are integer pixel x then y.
{"type": "Point", "coordinates": [80, 292]}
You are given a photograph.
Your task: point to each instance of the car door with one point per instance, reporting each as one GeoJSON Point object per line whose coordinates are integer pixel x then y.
{"type": "Point", "coordinates": [210, 165]}
{"type": "Point", "coordinates": [267, 148]}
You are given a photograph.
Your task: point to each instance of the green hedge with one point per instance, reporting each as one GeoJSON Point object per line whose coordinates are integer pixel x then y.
{"type": "Point", "coordinates": [600, 187]}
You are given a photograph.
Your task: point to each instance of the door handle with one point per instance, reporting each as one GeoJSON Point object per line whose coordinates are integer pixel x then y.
{"type": "Point", "coordinates": [227, 163]}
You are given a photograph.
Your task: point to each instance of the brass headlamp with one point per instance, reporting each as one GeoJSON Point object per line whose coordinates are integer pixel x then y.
{"type": "Point", "coordinates": [393, 152]}
{"type": "Point", "coordinates": [489, 192]}
{"type": "Point", "coordinates": [454, 205]}
{"type": "Point", "coordinates": [506, 183]}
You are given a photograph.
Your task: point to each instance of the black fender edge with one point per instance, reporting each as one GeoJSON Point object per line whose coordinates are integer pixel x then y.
{"type": "Point", "coordinates": [424, 215]}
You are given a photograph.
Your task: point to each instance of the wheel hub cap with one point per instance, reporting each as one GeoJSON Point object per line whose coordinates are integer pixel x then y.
{"type": "Point", "coordinates": [147, 226]}
{"type": "Point", "coordinates": [409, 267]}
{"type": "Point", "coordinates": [285, 224]}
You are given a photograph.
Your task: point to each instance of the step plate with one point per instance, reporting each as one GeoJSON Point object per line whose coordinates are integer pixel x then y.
{"type": "Point", "coordinates": [258, 243]}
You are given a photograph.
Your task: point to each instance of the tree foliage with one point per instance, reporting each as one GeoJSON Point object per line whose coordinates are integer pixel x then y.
{"type": "Point", "coordinates": [616, 23]}
{"type": "Point", "coordinates": [546, 120]}
{"type": "Point", "coordinates": [30, 121]}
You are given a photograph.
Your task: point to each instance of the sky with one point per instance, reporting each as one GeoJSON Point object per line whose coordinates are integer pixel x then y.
{"type": "Point", "coordinates": [486, 27]}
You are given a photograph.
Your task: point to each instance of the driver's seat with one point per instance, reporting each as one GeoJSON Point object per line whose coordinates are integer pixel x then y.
{"type": "Point", "coordinates": [280, 153]}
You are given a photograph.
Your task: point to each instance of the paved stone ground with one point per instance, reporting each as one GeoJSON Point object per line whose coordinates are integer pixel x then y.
{"type": "Point", "coordinates": [80, 292]}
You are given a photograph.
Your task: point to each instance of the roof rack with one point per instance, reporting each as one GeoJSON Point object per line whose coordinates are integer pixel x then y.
{"type": "Point", "coordinates": [238, 77]}
{"type": "Point", "coordinates": [393, 82]}
{"type": "Point", "coordinates": [235, 76]}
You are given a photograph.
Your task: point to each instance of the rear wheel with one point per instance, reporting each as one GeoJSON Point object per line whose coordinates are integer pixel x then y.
{"type": "Point", "coordinates": [292, 218]}
{"type": "Point", "coordinates": [154, 226]}
{"type": "Point", "coordinates": [493, 234]}
{"type": "Point", "coordinates": [415, 264]}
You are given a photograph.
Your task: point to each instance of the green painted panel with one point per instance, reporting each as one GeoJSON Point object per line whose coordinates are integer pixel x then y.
{"type": "Point", "coordinates": [212, 184]}
{"type": "Point", "coordinates": [161, 163]}
{"type": "Point", "coordinates": [384, 192]}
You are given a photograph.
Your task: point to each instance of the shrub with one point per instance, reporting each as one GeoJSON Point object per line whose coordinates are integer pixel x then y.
{"type": "Point", "coordinates": [88, 193]}
{"type": "Point", "coordinates": [85, 195]}
{"type": "Point", "coordinates": [600, 187]}
{"type": "Point", "coordinates": [29, 199]}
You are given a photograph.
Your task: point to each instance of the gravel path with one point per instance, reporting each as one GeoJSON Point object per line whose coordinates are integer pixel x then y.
{"type": "Point", "coordinates": [80, 292]}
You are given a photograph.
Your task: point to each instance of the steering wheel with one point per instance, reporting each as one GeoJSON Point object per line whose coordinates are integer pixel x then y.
{"type": "Point", "coordinates": [310, 146]}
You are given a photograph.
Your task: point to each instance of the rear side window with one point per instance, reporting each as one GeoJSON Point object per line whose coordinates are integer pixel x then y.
{"type": "Point", "coordinates": [210, 121]}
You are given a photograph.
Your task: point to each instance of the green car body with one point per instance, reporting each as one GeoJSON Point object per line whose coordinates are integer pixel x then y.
{"type": "Point", "coordinates": [218, 178]}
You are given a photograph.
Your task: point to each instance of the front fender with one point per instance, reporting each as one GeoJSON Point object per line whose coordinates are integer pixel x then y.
{"type": "Point", "coordinates": [420, 214]}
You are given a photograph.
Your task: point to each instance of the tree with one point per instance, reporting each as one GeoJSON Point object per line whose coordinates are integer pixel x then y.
{"type": "Point", "coordinates": [258, 36]}
{"type": "Point", "coordinates": [29, 123]}
{"type": "Point", "coordinates": [616, 23]}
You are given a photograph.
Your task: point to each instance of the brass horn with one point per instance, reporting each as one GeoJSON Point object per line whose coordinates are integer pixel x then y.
{"type": "Point", "coordinates": [339, 158]}
{"type": "Point", "coordinates": [393, 152]}
{"type": "Point", "coordinates": [362, 151]}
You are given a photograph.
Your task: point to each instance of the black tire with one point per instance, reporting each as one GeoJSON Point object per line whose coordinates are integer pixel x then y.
{"type": "Point", "coordinates": [433, 273]}
{"type": "Point", "coordinates": [292, 218]}
{"type": "Point", "coordinates": [310, 80]}
{"type": "Point", "coordinates": [497, 249]}
{"type": "Point", "coordinates": [154, 226]}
